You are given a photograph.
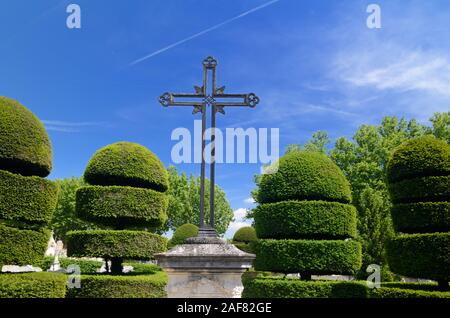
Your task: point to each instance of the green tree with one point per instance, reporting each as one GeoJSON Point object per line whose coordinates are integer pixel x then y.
{"type": "Point", "coordinates": [441, 126]}
{"type": "Point", "coordinates": [65, 219]}
{"type": "Point", "coordinates": [184, 202]}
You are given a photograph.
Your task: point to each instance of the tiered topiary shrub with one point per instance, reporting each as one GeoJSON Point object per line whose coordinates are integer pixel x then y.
{"type": "Point", "coordinates": [182, 233]}
{"type": "Point", "coordinates": [419, 182]}
{"type": "Point", "coordinates": [127, 190]}
{"type": "Point", "coordinates": [304, 223]}
{"type": "Point", "coordinates": [27, 201]}
{"type": "Point", "coordinates": [244, 237]}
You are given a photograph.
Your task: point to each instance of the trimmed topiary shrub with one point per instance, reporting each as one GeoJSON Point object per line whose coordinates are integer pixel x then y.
{"type": "Point", "coordinates": [304, 175]}
{"type": "Point", "coordinates": [24, 144]}
{"type": "Point", "coordinates": [419, 176]}
{"type": "Point", "coordinates": [421, 255]}
{"type": "Point", "coordinates": [182, 233]}
{"type": "Point", "coordinates": [277, 287]}
{"type": "Point", "coordinates": [115, 244]}
{"type": "Point", "coordinates": [421, 217]}
{"type": "Point", "coordinates": [127, 164]}
{"type": "Point", "coordinates": [421, 157]}
{"type": "Point", "coordinates": [129, 185]}
{"type": "Point", "coordinates": [308, 257]}
{"type": "Point", "coordinates": [33, 285]}
{"type": "Point", "coordinates": [29, 200]}
{"type": "Point", "coordinates": [127, 286]}
{"type": "Point", "coordinates": [245, 234]}
{"type": "Point", "coordinates": [304, 224]}
{"type": "Point", "coordinates": [117, 206]}
{"type": "Point", "coordinates": [22, 247]}
{"type": "Point", "coordinates": [306, 220]}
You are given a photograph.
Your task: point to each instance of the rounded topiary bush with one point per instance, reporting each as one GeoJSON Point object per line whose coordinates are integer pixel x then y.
{"type": "Point", "coordinates": [182, 233]}
{"type": "Point", "coordinates": [245, 234]}
{"type": "Point", "coordinates": [304, 224]}
{"type": "Point", "coordinates": [116, 206]}
{"type": "Point", "coordinates": [304, 175]}
{"type": "Point", "coordinates": [127, 164]}
{"type": "Point", "coordinates": [128, 185]}
{"type": "Point", "coordinates": [24, 144]}
{"type": "Point", "coordinates": [30, 200]}
{"type": "Point", "coordinates": [419, 184]}
{"type": "Point", "coordinates": [306, 220]}
{"type": "Point", "coordinates": [420, 157]}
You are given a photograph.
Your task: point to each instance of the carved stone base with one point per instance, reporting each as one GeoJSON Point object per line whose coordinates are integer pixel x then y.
{"type": "Point", "coordinates": [206, 268]}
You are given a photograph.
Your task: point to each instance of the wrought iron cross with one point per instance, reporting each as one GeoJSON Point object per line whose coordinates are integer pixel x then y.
{"type": "Point", "coordinates": [217, 99]}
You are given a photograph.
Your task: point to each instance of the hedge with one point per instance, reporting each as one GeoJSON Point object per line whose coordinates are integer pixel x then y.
{"type": "Point", "coordinates": [420, 157]}
{"type": "Point", "coordinates": [305, 220]}
{"type": "Point", "coordinates": [245, 234]}
{"type": "Point", "coordinates": [307, 256]}
{"type": "Point", "coordinates": [32, 285]}
{"type": "Point", "coordinates": [304, 175]}
{"type": "Point", "coordinates": [22, 247]}
{"type": "Point", "coordinates": [183, 232]}
{"type": "Point", "coordinates": [422, 217]}
{"type": "Point", "coordinates": [421, 190]}
{"type": "Point", "coordinates": [142, 268]}
{"type": "Point", "coordinates": [87, 266]}
{"type": "Point", "coordinates": [118, 206]}
{"type": "Point", "coordinates": [109, 243]}
{"type": "Point", "coordinates": [24, 144]}
{"type": "Point", "coordinates": [399, 291]}
{"type": "Point", "coordinates": [127, 164]}
{"type": "Point", "coordinates": [421, 255]}
{"type": "Point", "coordinates": [272, 287]}
{"type": "Point", "coordinates": [27, 199]}
{"type": "Point", "coordinates": [128, 286]}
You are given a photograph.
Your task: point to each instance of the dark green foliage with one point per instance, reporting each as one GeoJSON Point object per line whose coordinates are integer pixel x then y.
{"type": "Point", "coordinates": [277, 287]}
{"type": "Point", "coordinates": [245, 247]}
{"type": "Point", "coordinates": [419, 157]}
{"type": "Point", "coordinates": [86, 266]}
{"type": "Point", "coordinates": [305, 220]}
{"type": "Point", "coordinates": [33, 285]}
{"type": "Point", "coordinates": [127, 164]}
{"type": "Point", "coordinates": [421, 255]}
{"type": "Point", "coordinates": [421, 217]}
{"type": "Point", "coordinates": [24, 144]}
{"type": "Point", "coordinates": [421, 189]}
{"type": "Point", "coordinates": [142, 268]}
{"type": "Point", "coordinates": [408, 290]}
{"type": "Point", "coordinates": [117, 244]}
{"type": "Point", "coordinates": [304, 175]}
{"type": "Point", "coordinates": [127, 286]}
{"type": "Point", "coordinates": [22, 247]}
{"type": "Point", "coordinates": [119, 206]}
{"type": "Point", "coordinates": [245, 234]}
{"type": "Point", "coordinates": [307, 256]}
{"type": "Point", "coordinates": [184, 203]}
{"type": "Point", "coordinates": [27, 199]}
{"type": "Point", "coordinates": [182, 233]}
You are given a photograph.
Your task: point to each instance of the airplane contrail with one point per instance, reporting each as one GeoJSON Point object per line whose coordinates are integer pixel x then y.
{"type": "Point", "coordinates": [202, 32]}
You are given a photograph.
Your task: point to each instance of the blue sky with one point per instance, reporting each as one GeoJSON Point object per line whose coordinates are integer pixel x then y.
{"type": "Point", "coordinates": [314, 64]}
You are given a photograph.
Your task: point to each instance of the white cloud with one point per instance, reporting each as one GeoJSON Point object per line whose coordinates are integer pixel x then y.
{"type": "Point", "coordinates": [415, 71]}
{"type": "Point", "coordinates": [238, 222]}
{"type": "Point", "coordinates": [249, 200]}
{"type": "Point", "coordinates": [69, 127]}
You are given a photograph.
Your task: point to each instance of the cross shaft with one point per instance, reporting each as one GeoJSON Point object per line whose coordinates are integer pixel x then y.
{"type": "Point", "coordinates": [217, 99]}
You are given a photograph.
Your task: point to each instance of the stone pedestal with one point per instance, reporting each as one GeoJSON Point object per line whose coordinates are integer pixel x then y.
{"type": "Point", "coordinates": [205, 267]}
